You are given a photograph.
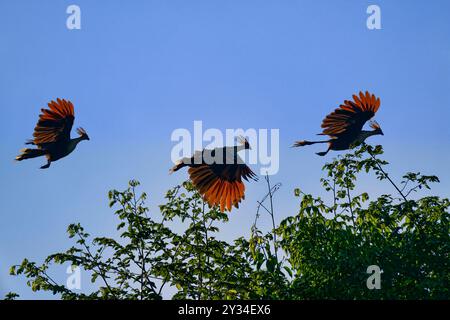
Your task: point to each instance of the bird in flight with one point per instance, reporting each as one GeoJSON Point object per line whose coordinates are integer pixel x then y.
{"type": "Point", "coordinates": [344, 125]}
{"type": "Point", "coordinates": [217, 174]}
{"type": "Point", "coordinates": [52, 133]}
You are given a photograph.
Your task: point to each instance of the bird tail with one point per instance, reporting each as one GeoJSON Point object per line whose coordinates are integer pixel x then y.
{"type": "Point", "coordinates": [30, 153]}
{"type": "Point", "coordinates": [302, 143]}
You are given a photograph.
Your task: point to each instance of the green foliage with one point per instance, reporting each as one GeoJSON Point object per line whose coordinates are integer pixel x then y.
{"type": "Point", "coordinates": [322, 252]}
{"type": "Point", "coordinates": [331, 246]}
{"type": "Point", "coordinates": [11, 296]}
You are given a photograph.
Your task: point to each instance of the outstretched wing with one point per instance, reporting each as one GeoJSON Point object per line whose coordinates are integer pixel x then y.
{"type": "Point", "coordinates": [54, 124]}
{"type": "Point", "coordinates": [351, 116]}
{"type": "Point", "coordinates": [221, 184]}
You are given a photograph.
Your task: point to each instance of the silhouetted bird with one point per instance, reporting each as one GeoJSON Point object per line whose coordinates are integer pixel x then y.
{"type": "Point", "coordinates": [344, 125]}
{"type": "Point", "coordinates": [217, 174]}
{"type": "Point", "coordinates": [52, 133]}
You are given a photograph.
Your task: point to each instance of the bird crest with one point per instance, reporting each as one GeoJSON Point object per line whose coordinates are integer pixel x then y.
{"type": "Point", "coordinates": [243, 141]}
{"type": "Point", "coordinates": [81, 131]}
{"type": "Point", "coordinates": [374, 125]}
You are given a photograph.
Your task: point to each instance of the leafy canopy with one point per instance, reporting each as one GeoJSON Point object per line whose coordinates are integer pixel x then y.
{"type": "Point", "coordinates": [322, 252]}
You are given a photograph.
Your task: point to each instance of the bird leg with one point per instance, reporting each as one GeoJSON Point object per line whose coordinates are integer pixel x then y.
{"type": "Point", "coordinates": [324, 152]}
{"type": "Point", "coordinates": [47, 165]}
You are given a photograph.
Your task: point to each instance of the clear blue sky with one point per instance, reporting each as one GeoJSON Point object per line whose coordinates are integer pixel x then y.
{"type": "Point", "coordinates": [138, 70]}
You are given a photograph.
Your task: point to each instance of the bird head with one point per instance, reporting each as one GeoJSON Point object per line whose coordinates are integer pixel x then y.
{"type": "Point", "coordinates": [82, 133]}
{"type": "Point", "coordinates": [376, 127]}
{"type": "Point", "coordinates": [243, 141]}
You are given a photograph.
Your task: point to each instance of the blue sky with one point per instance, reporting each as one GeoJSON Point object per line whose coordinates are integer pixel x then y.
{"type": "Point", "coordinates": [138, 70]}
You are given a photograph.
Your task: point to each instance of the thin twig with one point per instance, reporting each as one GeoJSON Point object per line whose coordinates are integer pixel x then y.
{"type": "Point", "coordinates": [102, 272]}
{"type": "Point", "coordinates": [206, 242]}
{"type": "Point", "coordinates": [386, 175]}
{"type": "Point", "coordinates": [275, 244]}
{"type": "Point", "coordinates": [334, 195]}
{"type": "Point", "coordinates": [405, 184]}
{"type": "Point", "coordinates": [413, 189]}
{"type": "Point", "coordinates": [349, 197]}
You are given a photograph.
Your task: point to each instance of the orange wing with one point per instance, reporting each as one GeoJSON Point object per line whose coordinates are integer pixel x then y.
{"type": "Point", "coordinates": [221, 184]}
{"type": "Point", "coordinates": [54, 124]}
{"type": "Point", "coordinates": [350, 117]}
